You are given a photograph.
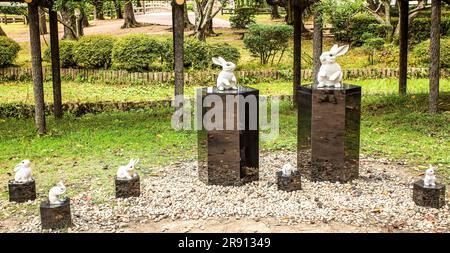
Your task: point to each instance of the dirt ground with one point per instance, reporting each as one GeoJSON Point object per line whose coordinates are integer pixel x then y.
{"type": "Point", "coordinates": [231, 225]}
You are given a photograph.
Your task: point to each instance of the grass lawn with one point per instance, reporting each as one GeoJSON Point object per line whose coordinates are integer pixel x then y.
{"type": "Point", "coordinates": [85, 152]}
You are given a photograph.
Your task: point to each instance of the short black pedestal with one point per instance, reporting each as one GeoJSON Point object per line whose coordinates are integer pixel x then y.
{"type": "Point", "coordinates": [328, 133]}
{"type": "Point", "coordinates": [126, 188]}
{"type": "Point", "coordinates": [21, 192]}
{"type": "Point", "coordinates": [56, 216]}
{"type": "Point", "coordinates": [429, 196]}
{"type": "Point", "coordinates": [229, 156]}
{"type": "Point", "coordinates": [289, 183]}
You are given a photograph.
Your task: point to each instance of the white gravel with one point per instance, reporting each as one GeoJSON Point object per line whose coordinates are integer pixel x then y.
{"type": "Point", "coordinates": [381, 197]}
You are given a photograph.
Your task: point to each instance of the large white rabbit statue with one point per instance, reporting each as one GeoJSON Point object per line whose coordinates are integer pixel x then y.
{"type": "Point", "coordinates": [330, 73]}
{"type": "Point", "coordinates": [226, 79]}
{"type": "Point", "coordinates": [23, 172]}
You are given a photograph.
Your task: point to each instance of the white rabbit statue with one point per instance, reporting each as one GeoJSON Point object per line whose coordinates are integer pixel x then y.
{"type": "Point", "coordinates": [430, 178]}
{"type": "Point", "coordinates": [127, 172]}
{"type": "Point", "coordinates": [330, 73]}
{"type": "Point", "coordinates": [55, 192]}
{"type": "Point", "coordinates": [287, 170]}
{"type": "Point", "coordinates": [23, 172]}
{"type": "Point", "coordinates": [226, 79]}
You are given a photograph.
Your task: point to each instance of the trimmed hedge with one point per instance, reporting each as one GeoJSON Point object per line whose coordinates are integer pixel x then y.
{"type": "Point", "coordinates": [419, 29]}
{"type": "Point", "coordinates": [226, 51]}
{"type": "Point", "coordinates": [197, 54]}
{"type": "Point", "coordinates": [8, 51]}
{"type": "Point", "coordinates": [421, 53]}
{"type": "Point", "coordinates": [135, 52]}
{"type": "Point", "coordinates": [65, 53]}
{"type": "Point", "coordinates": [94, 51]}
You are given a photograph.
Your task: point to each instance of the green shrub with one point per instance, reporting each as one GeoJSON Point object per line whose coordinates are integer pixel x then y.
{"type": "Point", "coordinates": [8, 51]}
{"type": "Point", "coordinates": [226, 51]}
{"type": "Point", "coordinates": [266, 41]}
{"type": "Point", "coordinates": [196, 54]}
{"type": "Point", "coordinates": [419, 29]}
{"type": "Point", "coordinates": [352, 30]}
{"type": "Point", "coordinates": [66, 57]}
{"type": "Point", "coordinates": [242, 18]}
{"type": "Point", "coordinates": [421, 53]}
{"type": "Point", "coordinates": [371, 44]}
{"type": "Point", "coordinates": [94, 51]}
{"type": "Point", "coordinates": [135, 52]}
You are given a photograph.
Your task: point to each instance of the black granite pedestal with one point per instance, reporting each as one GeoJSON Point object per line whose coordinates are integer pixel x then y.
{"type": "Point", "coordinates": [56, 216]}
{"type": "Point", "coordinates": [329, 132]}
{"type": "Point", "coordinates": [429, 196]}
{"type": "Point", "coordinates": [21, 192]}
{"type": "Point", "coordinates": [228, 147]}
{"type": "Point", "coordinates": [289, 183]}
{"type": "Point", "coordinates": [126, 188]}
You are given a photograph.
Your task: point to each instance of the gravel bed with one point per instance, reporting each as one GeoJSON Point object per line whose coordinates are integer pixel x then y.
{"type": "Point", "coordinates": [381, 197]}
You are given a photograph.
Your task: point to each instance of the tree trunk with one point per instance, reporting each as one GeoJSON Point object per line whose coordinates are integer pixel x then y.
{"type": "Point", "coordinates": [435, 55]}
{"type": "Point", "coordinates": [56, 74]}
{"type": "Point", "coordinates": [317, 43]}
{"type": "Point", "coordinates": [2, 33]}
{"type": "Point", "coordinates": [79, 22]}
{"type": "Point", "coordinates": [178, 46]}
{"type": "Point", "coordinates": [36, 61]}
{"type": "Point", "coordinates": [98, 10]}
{"type": "Point", "coordinates": [403, 45]}
{"type": "Point", "coordinates": [297, 50]}
{"type": "Point", "coordinates": [129, 19]}
{"type": "Point", "coordinates": [118, 9]}
{"type": "Point", "coordinates": [42, 22]}
{"type": "Point", "coordinates": [275, 14]}
{"type": "Point", "coordinates": [69, 19]}
{"type": "Point", "coordinates": [85, 21]}
{"type": "Point", "coordinates": [187, 22]}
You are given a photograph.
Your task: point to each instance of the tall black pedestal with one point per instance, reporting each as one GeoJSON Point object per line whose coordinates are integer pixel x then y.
{"type": "Point", "coordinates": [228, 147]}
{"type": "Point", "coordinates": [328, 132]}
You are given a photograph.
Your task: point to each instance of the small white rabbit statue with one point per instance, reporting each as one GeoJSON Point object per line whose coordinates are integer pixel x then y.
{"type": "Point", "coordinates": [287, 170]}
{"type": "Point", "coordinates": [330, 73]}
{"type": "Point", "coordinates": [430, 178]}
{"type": "Point", "coordinates": [226, 79]}
{"type": "Point", "coordinates": [127, 172]}
{"type": "Point", "coordinates": [55, 192]}
{"type": "Point", "coordinates": [23, 172]}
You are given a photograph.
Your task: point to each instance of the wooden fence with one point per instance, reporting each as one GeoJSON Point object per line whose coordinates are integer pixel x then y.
{"type": "Point", "coordinates": [198, 77]}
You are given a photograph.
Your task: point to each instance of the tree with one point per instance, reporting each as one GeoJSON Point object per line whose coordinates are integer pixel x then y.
{"type": "Point", "coordinates": [204, 14]}
{"type": "Point", "coordinates": [129, 19]}
{"type": "Point", "coordinates": [381, 10]}
{"type": "Point", "coordinates": [118, 9]}
{"type": "Point", "coordinates": [98, 9]}
{"type": "Point", "coordinates": [71, 15]}
{"type": "Point", "coordinates": [274, 6]}
{"type": "Point", "coordinates": [42, 21]}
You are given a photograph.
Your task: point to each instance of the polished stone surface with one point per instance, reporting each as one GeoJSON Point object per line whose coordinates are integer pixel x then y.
{"type": "Point", "coordinates": [289, 183]}
{"type": "Point", "coordinates": [56, 216]}
{"type": "Point", "coordinates": [329, 132]}
{"type": "Point", "coordinates": [126, 188]}
{"type": "Point", "coordinates": [21, 192]}
{"type": "Point", "coordinates": [429, 196]}
{"type": "Point", "coordinates": [230, 156]}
